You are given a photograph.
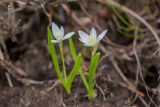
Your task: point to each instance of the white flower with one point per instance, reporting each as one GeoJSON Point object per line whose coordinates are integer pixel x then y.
{"type": "Point", "coordinates": [92, 39]}
{"type": "Point", "coordinates": [58, 33]}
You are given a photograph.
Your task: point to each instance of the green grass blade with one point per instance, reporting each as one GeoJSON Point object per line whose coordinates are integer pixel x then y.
{"type": "Point", "coordinates": [92, 68]}
{"type": "Point", "coordinates": [73, 51]}
{"type": "Point", "coordinates": [52, 52]}
{"type": "Point", "coordinates": [74, 55]}
{"type": "Point", "coordinates": [128, 35]}
{"type": "Point", "coordinates": [120, 17]}
{"type": "Point", "coordinates": [74, 70]}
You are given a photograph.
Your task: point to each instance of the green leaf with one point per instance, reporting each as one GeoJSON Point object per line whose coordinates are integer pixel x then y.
{"type": "Point", "coordinates": [127, 34]}
{"type": "Point", "coordinates": [52, 52]}
{"type": "Point", "coordinates": [74, 55]}
{"type": "Point", "coordinates": [92, 68]}
{"type": "Point", "coordinates": [75, 69]}
{"type": "Point", "coordinates": [73, 51]}
{"type": "Point", "coordinates": [120, 17]}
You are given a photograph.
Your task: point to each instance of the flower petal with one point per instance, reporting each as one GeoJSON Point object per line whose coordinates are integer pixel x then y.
{"type": "Point", "coordinates": [68, 35]}
{"type": "Point", "coordinates": [54, 41]}
{"type": "Point", "coordinates": [55, 29]}
{"type": "Point", "coordinates": [83, 41]}
{"type": "Point", "coordinates": [101, 35]}
{"type": "Point", "coordinates": [86, 45]}
{"type": "Point", "coordinates": [93, 33]}
{"type": "Point", "coordinates": [83, 36]}
{"type": "Point", "coordinates": [62, 31]}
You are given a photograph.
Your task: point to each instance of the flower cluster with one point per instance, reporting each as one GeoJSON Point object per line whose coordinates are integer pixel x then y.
{"type": "Point", "coordinates": [89, 40]}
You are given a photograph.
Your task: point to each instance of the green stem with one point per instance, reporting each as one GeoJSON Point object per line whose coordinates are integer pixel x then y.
{"type": "Point", "coordinates": [91, 92]}
{"type": "Point", "coordinates": [92, 71]}
{"type": "Point", "coordinates": [94, 49]}
{"type": "Point", "coordinates": [62, 56]}
{"type": "Point", "coordinates": [84, 79]}
{"type": "Point", "coordinates": [90, 83]}
{"type": "Point", "coordinates": [67, 88]}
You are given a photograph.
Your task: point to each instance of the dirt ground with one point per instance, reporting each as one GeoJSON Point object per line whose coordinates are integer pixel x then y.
{"type": "Point", "coordinates": [129, 67]}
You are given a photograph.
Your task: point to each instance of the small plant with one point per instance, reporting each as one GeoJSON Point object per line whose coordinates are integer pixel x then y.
{"type": "Point", "coordinates": [91, 40]}
{"type": "Point", "coordinates": [59, 37]}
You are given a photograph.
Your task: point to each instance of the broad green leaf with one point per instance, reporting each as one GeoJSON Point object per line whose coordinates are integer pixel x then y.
{"type": "Point", "coordinates": [75, 69]}
{"type": "Point", "coordinates": [52, 52]}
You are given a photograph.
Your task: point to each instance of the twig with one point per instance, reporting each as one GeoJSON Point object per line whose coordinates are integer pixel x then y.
{"type": "Point", "coordinates": [90, 16]}
{"type": "Point", "coordinates": [57, 82]}
{"type": "Point", "coordinates": [27, 81]}
{"type": "Point", "coordinates": [1, 54]}
{"type": "Point", "coordinates": [139, 69]}
{"type": "Point", "coordinates": [107, 55]}
{"type": "Point", "coordinates": [143, 101]}
{"type": "Point", "coordinates": [136, 56]}
{"type": "Point", "coordinates": [104, 97]}
{"type": "Point", "coordinates": [12, 69]}
{"type": "Point", "coordinates": [17, 73]}
{"type": "Point", "coordinates": [9, 80]}
{"type": "Point", "coordinates": [151, 100]}
{"type": "Point", "coordinates": [130, 85]}
{"type": "Point", "coordinates": [4, 47]}
{"type": "Point", "coordinates": [46, 13]}
{"type": "Point", "coordinates": [126, 86]}
{"type": "Point", "coordinates": [73, 16]}
{"type": "Point", "coordinates": [125, 9]}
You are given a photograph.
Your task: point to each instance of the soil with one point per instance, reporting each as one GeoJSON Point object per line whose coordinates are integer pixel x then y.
{"type": "Point", "coordinates": [28, 51]}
